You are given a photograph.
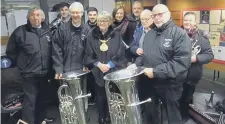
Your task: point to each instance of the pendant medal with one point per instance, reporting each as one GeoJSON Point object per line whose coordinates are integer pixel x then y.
{"type": "Point", "coordinates": [104, 47]}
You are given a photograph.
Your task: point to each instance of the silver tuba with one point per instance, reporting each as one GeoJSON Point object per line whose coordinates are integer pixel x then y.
{"type": "Point", "coordinates": [124, 104]}
{"type": "Point", "coordinates": [71, 98]}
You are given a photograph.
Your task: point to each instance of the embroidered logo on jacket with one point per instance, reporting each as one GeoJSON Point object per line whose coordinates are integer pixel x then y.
{"type": "Point", "coordinates": [48, 38]}
{"type": "Point", "coordinates": [167, 43]}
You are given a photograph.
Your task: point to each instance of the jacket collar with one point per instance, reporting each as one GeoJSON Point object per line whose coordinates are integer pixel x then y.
{"type": "Point", "coordinates": [163, 27]}
{"type": "Point", "coordinates": [96, 33]}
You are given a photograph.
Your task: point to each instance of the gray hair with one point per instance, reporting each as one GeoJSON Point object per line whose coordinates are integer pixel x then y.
{"type": "Point", "coordinates": [33, 9]}
{"type": "Point", "coordinates": [105, 16]}
{"type": "Point", "coordinates": [76, 5]}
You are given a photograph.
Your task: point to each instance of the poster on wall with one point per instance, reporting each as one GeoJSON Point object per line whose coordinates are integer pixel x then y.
{"type": "Point", "coordinates": [217, 28]}
{"type": "Point", "coordinates": [214, 38]}
{"type": "Point", "coordinates": [204, 17]}
{"type": "Point", "coordinates": [215, 16]}
{"type": "Point", "coordinates": [203, 27]}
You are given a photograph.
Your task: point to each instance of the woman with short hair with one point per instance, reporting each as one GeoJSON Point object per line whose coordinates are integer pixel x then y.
{"type": "Point", "coordinates": [105, 53]}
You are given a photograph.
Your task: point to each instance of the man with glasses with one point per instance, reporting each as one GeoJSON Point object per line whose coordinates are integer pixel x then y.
{"type": "Point", "coordinates": [167, 57]}
{"type": "Point", "coordinates": [146, 21]}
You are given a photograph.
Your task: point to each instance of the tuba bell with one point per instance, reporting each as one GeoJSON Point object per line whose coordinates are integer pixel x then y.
{"type": "Point", "coordinates": [71, 98]}
{"type": "Point", "coordinates": [124, 102]}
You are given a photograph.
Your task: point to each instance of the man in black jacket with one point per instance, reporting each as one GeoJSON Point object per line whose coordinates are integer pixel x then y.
{"type": "Point", "coordinates": [134, 23]}
{"type": "Point", "coordinates": [29, 46]}
{"type": "Point", "coordinates": [63, 16]}
{"type": "Point", "coordinates": [167, 57]}
{"type": "Point", "coordinates": [68, 43]}
{"type": "Point", "coordinates": [202, 56]}
{"type": "Point", "coordinates": [92, 13]}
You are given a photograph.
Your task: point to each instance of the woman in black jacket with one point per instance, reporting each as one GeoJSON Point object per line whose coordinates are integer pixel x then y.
{"type": "Point", "coordinates": [105, 53]}
{"type": "Point", "coordinates": [120, 21]}
{"type": "Point", "coordinates": [205, 55]}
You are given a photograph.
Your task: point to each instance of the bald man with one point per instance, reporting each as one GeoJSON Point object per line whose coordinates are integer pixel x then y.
{"type": "Point", "coordinates": [146, 21]}
{"type": "Point", "coordinates": [167, 57]}
{"type": "Point", "coordinates": [68, 43]}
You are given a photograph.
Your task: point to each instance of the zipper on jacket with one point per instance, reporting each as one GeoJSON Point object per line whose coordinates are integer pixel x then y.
{"type": "Point", "coordinates": [41, 54]}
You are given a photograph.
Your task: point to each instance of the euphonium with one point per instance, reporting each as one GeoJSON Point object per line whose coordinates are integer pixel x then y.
{"type": "Point", "coordinates": [70, 93]}
{"type": "Point", "coordinates": [196, 49]}
{"type": "Point", "coordinates": [124, 104]}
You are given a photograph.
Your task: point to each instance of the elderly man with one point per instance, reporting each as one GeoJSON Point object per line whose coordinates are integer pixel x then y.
{"type": "Point", "coordinates": [167, 57]}
{"type": "Point", "coordinates": [68, 43]}
{"type": "Point", "coordinates": [146, 21]}
{"type": "Point", "coordinates": [29, 46]}
{"type": "Point", "coordinates": [136, 47]}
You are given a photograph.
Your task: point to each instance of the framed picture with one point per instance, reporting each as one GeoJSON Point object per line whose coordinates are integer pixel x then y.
{"type": "Point", "coordinates": [204, 17]}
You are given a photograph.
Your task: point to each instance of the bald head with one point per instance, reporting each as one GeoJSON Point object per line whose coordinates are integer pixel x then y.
{"type": "Point", "coordinates": [146, 18]}
{"type": "Point", "coordinates": [160, 14]}
{"type": "Point", "coordinates": [159, 8]}
{"type": "Point", "coordinates": [146, 12]}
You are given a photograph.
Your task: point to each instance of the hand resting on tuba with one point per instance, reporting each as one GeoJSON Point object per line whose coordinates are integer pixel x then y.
{"type": "Point", "coordinates": [147, 71]}
{"type": "Point", "coordinates": [132, 66]}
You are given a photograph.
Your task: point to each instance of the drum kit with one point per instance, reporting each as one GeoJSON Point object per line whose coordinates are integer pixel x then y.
{"type": "Point", "coordinates": [123, 104]}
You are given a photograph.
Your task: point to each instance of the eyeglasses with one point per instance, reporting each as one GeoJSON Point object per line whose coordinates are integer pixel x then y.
{"type": "Point", "coordinates": [158, 14]}
{"type": "Point", "coordinates": [145, 19]}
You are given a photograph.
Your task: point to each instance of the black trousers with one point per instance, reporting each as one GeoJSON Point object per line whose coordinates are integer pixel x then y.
{"type": "Point", "coordinates": [91, 86]}
{"type": "Point", "coordinates": [101, 100]}
{"type": "Point", "coordinates": [187, 97]}
{"type": "Point", "coordinates": [170, 98]}
{"type": "Point", "coordinates": [34, 108]}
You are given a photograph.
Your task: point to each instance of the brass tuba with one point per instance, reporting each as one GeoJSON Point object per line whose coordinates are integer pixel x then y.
{"type": "Point", "coordinates": [71, 97]}
{"type": "Point", "coordinates": [124, 104]}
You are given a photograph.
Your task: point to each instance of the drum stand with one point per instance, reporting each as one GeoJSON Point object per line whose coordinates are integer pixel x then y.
{"type": "Point", "coordinates": [209, 103]}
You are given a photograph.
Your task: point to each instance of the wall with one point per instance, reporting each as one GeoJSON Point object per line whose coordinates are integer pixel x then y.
{"type": "Point", "coordinates": [103, 5]}
{"type": "Point", "coordinates": [176, 6]}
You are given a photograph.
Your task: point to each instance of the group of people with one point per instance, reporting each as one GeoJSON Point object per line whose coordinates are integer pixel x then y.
{"type": "Point", "coordinates": [108, 42]}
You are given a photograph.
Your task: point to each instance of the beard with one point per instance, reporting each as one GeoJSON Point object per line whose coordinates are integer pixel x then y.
{"type": "Point", "coordinates": [159, 25]}
{"type": "Point", "coordinates": [93, 21]}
